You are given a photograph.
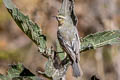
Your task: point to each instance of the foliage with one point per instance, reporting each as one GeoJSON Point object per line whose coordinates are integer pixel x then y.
{"type": "Point", "coordinates": [14, 74]}
{"type": "Point", "coordinates": [26, 25]}
{"type": "Point", "coordinates": [33, 31]}
{"type": "Point", "coordinates": [100, 39]}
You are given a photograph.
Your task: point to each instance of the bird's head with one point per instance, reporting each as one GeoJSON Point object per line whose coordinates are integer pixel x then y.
{"type": "Point", "coordinates": [60, 19]}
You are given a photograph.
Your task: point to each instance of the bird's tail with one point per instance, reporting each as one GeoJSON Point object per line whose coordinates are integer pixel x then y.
{"type": "Point", "coordinates": [77, 72]}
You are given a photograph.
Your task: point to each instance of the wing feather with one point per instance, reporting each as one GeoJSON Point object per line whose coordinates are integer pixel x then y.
{"type": "Point", "coordinates": [66, 46]}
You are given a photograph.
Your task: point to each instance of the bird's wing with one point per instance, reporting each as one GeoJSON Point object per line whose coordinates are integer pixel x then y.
{"type": "Point", "coordinates": [66, 45]}
{"type": "Point", "coordinates": [76, 41]}
{"type": "Point", "coordinates": [76, 45]}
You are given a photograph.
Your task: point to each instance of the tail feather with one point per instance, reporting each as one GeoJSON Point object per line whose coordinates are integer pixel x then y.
{"type": "Point", "coordinates": [77, 72]}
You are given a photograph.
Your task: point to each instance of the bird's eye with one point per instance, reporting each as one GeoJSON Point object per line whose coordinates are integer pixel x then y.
{"type": "Point", "coordinates": [59, 18]}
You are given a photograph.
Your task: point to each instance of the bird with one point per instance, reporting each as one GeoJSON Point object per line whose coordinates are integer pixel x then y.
{"type": "Point", "coordinates": [68, 36]}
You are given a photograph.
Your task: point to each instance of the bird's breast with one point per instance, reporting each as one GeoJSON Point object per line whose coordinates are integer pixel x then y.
{"type": "Point", "coordinates": [67, 33]}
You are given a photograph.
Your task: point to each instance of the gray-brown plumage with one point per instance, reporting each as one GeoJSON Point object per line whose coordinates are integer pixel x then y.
{"type": "Point", "coordinates": [68, 35]}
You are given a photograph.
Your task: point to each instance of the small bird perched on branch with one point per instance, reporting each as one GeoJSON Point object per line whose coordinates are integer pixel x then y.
{"type": "Point", "coordinates": [68, 34]}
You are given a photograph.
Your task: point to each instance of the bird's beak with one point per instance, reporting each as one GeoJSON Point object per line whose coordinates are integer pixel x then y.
{"type": "Point", "coordinates": [54, 16]}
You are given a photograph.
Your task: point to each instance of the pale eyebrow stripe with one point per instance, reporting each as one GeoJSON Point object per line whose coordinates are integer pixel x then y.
{"type": "Point", "coordinates": [62, 17]}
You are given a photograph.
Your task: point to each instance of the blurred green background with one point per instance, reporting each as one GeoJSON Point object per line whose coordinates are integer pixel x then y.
{"type": "Point", "coordinates": [93, 16]}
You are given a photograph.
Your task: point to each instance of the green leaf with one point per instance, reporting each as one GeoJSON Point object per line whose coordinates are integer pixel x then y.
{"type": "Point", "coordinates": [31, 29]}
{"type": "Point", "coordinates": [15, 70]}
{"type": "Point", "coordinates": [14, 74]}
{"type": "Point", "coordinates": [100, 39]}
{"type": "Point", "coordinates": [9, 4]}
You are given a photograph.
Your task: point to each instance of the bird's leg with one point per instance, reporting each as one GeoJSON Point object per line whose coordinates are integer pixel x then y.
{"type": "Point", "coordinates": [58, 62]}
